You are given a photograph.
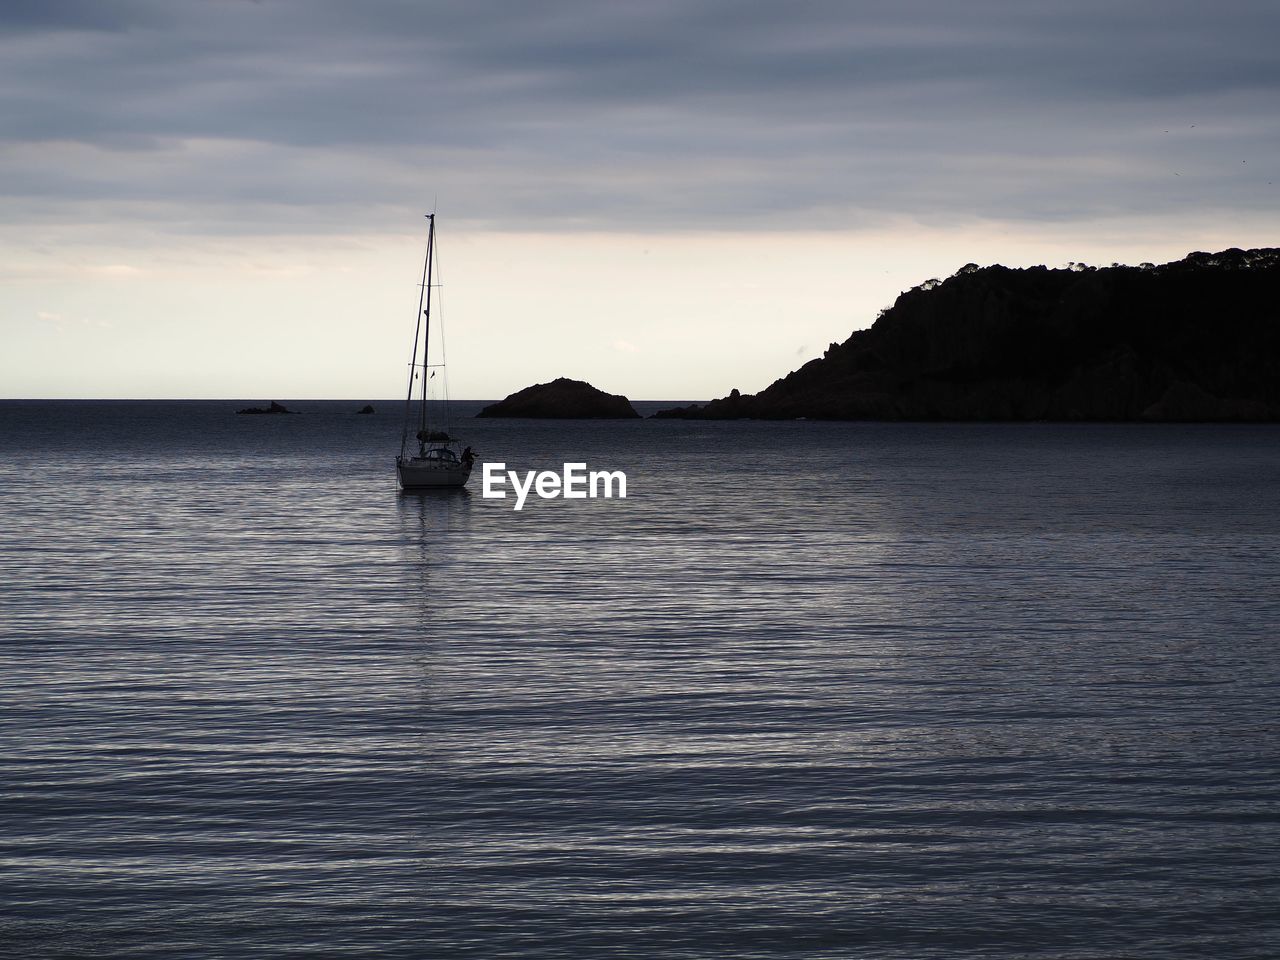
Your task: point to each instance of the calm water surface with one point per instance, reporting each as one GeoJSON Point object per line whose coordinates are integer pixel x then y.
{"type": "Point", "coordinates": [812, 690]}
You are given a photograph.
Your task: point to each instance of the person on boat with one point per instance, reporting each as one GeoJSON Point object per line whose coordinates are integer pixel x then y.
{"type": "Point", "coordinates": [468, 457]}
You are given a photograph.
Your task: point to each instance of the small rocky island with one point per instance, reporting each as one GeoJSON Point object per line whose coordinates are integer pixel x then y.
{"type": "Point", "coordinates": [274, 408]}
{"type": "Point", "coordinates": [1195, 340]}
{"type": "Point", "coordinates": [366, 409]}
{"type": "Point", "coordinates": [562, 399]}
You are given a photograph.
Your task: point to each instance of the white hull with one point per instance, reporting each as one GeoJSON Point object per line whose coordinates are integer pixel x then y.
{"type": "Point", "coordinates": [416, 474]}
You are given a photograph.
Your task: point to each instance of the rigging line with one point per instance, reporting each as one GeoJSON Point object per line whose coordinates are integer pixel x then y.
{"type": "Point", "coordinates": [426, 319]}
{"type": "Point", "coordinates": [448, 409]}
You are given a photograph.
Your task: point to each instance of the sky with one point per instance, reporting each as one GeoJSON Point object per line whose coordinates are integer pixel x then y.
{"type": "Point", "coordinates": [668, 199]}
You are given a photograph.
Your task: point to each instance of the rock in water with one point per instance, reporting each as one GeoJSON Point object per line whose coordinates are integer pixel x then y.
{"type": "Point", "coordinates": [367, 408]}
{"type": "Point", "coordinates": [274, 408]}
{"type": "Point", "coordinates": [1193, 340]}
{"type": "Point", "coordinates": [562, 399]}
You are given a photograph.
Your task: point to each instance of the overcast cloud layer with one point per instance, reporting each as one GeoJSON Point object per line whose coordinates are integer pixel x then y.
{"type": "Point", "coordinates": [291, 115]}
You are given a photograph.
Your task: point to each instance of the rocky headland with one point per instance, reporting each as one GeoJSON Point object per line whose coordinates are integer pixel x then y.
{"type": "Point", "coordinates": [1193, 340]}
{"type": "Point", "coordinates": [562, 399]}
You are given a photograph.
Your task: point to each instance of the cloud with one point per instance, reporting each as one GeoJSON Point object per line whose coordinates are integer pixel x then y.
{"type": "Point", "coordinates": [694, 114]}
{"type": "Point", "coordinates": [117, 271]}
{"type": "Point", "coordinates": [60, 321]}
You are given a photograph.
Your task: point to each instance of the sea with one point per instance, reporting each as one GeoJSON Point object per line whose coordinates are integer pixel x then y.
{"type": "Point", "coordinates": [811, 689]}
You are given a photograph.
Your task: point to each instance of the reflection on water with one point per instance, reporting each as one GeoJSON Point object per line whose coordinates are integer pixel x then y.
{"type": "Point", "coordinates": [812, 689]}
{"type": "Point", "coordinates": [430, 515]}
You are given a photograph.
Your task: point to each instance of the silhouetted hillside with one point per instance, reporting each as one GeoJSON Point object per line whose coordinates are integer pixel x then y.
{"type": "Point", "coordinates": [1197, 339]}
{"type": "Point", "coordinates": [562, 398]}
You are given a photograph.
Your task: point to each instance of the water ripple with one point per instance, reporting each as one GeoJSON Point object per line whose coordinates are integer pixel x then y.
{"type": "Point", "coordinates": [812, 690]}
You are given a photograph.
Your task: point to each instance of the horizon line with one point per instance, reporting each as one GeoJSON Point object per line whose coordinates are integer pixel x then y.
{"type": "Point", "coordinates": [278, 399]}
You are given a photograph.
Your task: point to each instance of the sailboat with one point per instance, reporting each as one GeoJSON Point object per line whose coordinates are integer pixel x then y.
{"type": "Point", "coordinates": [436, 462]}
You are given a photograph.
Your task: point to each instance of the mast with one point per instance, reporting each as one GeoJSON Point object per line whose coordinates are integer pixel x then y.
{"type": "Point", "coordinates": [426, 324]}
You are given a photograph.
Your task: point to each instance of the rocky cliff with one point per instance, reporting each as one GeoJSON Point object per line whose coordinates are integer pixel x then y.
{"type": "Point", "coordinates": [1193, 340]}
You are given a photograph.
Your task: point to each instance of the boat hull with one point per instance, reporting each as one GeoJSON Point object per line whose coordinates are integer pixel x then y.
{"type": "Point", "coordinates": [429, 475]}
